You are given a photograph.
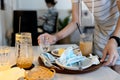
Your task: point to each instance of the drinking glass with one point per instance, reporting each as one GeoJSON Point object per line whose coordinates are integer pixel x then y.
{"type": "Point", "coordinates": [24, 51]}
{"type": "Point", "coordinates": [4, 58]}
{"type": "Point", "coordinates": [24, 37]}
{"type": "Point", "coordinates": [44, 44]}
{"type": "Point", "coordinates": [25, 56]}
{"type": "Point", "coordinates": [86, 44]}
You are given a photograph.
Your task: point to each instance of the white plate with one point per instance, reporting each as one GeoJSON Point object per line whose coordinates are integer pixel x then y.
{"type": "Point", "coordinates": [55, 51]}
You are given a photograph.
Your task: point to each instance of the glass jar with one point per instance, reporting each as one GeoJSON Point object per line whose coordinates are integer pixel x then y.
{"type": "Point", "coordinates": [24, 51]}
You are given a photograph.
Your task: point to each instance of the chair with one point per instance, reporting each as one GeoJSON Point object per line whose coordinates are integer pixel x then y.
{"type": "Point", "coordinates": [28, 24]}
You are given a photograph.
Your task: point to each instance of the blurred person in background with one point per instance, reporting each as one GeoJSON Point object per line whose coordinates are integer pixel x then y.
{"type": "Point", "coordinates": [49, 18]}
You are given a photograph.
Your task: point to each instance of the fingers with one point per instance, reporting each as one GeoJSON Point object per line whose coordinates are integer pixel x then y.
{"type": "Point", "coordinates": [47, 38]}
{"type": "Point", "coordinates": [115, 59]}
{"type": "Point", "coordinates": [51, 39]}
{"type": "Point", "coordinates": [110, 52]}
{"type": "Point", "coordinates": [38, 42]}
{"type": "Point", "coordinates": [39, 38]}
{"type": "Point", "coordinates": [104, 55]}
{"type": "Point", "coordinates": [110, 60]}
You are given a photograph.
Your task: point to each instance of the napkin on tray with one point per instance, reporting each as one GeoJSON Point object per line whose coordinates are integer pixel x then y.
{"type": "Point", "coordinates": [47, 59]}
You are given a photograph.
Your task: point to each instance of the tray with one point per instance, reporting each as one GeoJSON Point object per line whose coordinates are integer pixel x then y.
{"type": "Point", "coordinates": [66, 71]}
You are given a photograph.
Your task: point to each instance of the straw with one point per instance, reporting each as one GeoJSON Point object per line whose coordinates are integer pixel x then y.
{"type": "Point", "coordinates": [78, 26]}
{"type": "Point", "coordinates": [19, 23]}
{"type": "Point", "coordinates": [82, 34]}
{"type": "Point", "coordinates": [19, 32]}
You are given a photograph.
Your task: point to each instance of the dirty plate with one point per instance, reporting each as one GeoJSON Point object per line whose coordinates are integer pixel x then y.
{"type": "Point", "coordinates": [59, 51]}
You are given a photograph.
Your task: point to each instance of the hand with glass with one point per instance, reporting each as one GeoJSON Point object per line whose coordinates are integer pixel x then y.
{"type": "Point", "coordinates": [44, 44]}
{"type": "Point", "coordinates": [105, 26]}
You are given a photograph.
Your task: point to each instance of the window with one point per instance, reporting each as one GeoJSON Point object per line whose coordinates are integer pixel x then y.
{"type": "Point", "coordinates": [2, 4]}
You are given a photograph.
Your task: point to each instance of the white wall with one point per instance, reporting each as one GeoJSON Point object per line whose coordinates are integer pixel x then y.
{"type": "Point", "coordinates": [6, 21]}
{"type": "Point", "coordinates": [40, 4]}
{"type": "Point", "coordinates": [62, 6]}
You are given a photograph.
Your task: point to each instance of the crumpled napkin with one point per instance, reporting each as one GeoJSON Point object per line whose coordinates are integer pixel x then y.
{"type": "Point", "coordinates": [47, 59]}
{"type": "Point", "coordinates": [12, 74]}
{"type": "Point", "coordinates": [94, 59]}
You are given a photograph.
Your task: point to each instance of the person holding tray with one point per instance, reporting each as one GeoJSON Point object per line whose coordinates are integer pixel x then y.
{"type": "Point", "coordinates": [107, 30]}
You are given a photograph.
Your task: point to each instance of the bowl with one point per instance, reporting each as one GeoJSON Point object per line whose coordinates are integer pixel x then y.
{"type": "Point", "coordinates": [40, 73]}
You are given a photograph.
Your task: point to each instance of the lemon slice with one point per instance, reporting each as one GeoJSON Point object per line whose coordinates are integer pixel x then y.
{"type": "Point", "coordinates": [60, 51]}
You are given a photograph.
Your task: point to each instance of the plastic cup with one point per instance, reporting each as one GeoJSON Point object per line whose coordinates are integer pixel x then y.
{"type": "Point", "coordinates": [86, 44]}
{"type": "Point", "coordinates": [4, 58]}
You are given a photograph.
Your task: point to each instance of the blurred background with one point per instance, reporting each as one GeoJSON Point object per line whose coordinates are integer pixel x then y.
{"type": "Point", "coordinates": [8, 8]}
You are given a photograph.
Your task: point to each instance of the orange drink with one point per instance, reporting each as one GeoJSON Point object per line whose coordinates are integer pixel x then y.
{"type": "Point", "coordinates": [86, 48]}
{"type": "Point", "coordinates": [86, 44]}
{"type": "Point", "coordinates": [24, 62]}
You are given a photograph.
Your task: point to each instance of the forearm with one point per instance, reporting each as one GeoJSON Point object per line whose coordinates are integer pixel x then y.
{"type": "Point", "coordinates": [70, 28]}
{"type": "Point", "coordinates": [117, 30]}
